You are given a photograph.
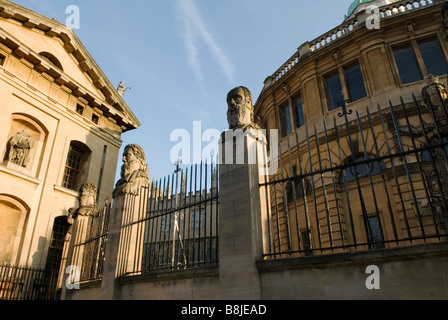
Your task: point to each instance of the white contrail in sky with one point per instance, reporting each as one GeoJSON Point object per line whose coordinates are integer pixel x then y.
{"type": "Point", "coordinates": [195, 27]}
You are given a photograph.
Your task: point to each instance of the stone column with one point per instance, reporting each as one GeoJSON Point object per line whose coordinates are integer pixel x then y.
{"type": "Point", "coordinates": [241, 214]}
{"type": "Point", "coordinates": [110, 285]}
{"type": "Point", "coordinates": [75, 256]}
{"type": "Point", "coordinates": [125, 241]}
{"type": "Point", "coordinates": [124, 249]}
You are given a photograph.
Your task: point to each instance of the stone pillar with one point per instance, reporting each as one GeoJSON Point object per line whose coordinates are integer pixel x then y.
{"type": "Point", "coordinates": [125, 241]}
{"type": "Point", "coordinates": [75, 254]}
{"type": "Point", "coordinates": [124, 249]}
{"type": "Point", "coordinates": [110, 286]}
{"type": "Point", "coordinates": [241, 214]}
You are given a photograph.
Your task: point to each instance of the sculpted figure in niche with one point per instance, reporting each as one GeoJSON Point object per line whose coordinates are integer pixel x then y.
{"type": "Point", "coordinates": [240, 112]}
{"type": "Point", "coordinates": [134, 171]}
{"type": "Point", "coordinates": [87, 202]}
{"type": "Point", "coordinates": [19, 148]}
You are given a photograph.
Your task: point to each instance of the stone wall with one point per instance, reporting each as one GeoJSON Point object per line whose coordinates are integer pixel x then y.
{"type": "Point", "coordinates": [404, 274]}
{"type": "Point", "coordinates": [409, 272]}
{"type": "Point", "coordinates": [418, 272]}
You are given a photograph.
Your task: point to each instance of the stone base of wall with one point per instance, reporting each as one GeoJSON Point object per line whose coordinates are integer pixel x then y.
{"type": "Point", "coordinates": [417, 272]}
{"type": "Point", "coordinates": [198, 284]}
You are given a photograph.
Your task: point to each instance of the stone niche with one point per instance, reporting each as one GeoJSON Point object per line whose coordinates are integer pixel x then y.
{"type": "Point", "coordinates": [13, 215]}
{"type": "Point", "coordinates": [24, 145]}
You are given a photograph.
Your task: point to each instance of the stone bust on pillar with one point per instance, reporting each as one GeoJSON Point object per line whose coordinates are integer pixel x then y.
{"type": "Point", "coordinates": [134, 171]}
{"type": "Point", "coordinates": [240, 112]}
{"type": "Point", "coordinates": [87, 202]}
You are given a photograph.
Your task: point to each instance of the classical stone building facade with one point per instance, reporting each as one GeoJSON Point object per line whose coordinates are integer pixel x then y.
{"type": "Point", "coordinates": [354, 208]}
{"type": "Point", "coordinates": [60, 129]}
{"type": "Point", "coordinates": [343, 100]}
{"type": "Point", "coordinates": [359, 64]}
{"type": "Point", "coordinates": [357, 208]}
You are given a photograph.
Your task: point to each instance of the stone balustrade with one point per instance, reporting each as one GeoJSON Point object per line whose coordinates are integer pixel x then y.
{"type": "Point", "coordinates": [341, 31]}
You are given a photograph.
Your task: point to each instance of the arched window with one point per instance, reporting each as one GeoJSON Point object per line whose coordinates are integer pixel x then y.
{"type": "Point", "coordinates": [364, 167]}
{"type": "Point", "coordinates": [76, 165]}
{"type": "Point", "coordinates": [13, 217]}
{"type": "Point", "coordinates": [51, 58]}
{"type": "Point", "coordinates": [57, 241]}
{"type": "Point", "coordinates": [297, 189]}
{"type": "Point", "coordinates": [361, 167]}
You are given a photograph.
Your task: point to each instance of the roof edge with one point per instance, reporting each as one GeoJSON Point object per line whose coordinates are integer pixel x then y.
{"type": "Point", "coordinates": [53, 28]}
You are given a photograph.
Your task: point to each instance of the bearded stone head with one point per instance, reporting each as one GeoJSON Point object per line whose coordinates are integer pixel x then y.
{"type": "Point", "coordinates": [134, 171]}
{"type": "Point", "coordinates": [240, 112]}
{"type": "Point", "coordinates": [133, 159]}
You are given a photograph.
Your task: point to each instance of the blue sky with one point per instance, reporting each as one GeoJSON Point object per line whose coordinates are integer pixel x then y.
{"type": "Point", "coordinates": [181, 57]}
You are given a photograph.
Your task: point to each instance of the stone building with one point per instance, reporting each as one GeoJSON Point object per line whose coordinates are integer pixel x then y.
{"type": "Point", "coordinates": [60, 128]}
{"type": "Point", "coordinates": [330, 195]}
{"type": "Point", "coordinates": [357, 208]}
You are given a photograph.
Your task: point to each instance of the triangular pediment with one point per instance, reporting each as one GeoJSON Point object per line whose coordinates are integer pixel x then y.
{"type": "Point", "coordinates": [53, 52]}
{"type": "Point", "coordinates": [55, 49]}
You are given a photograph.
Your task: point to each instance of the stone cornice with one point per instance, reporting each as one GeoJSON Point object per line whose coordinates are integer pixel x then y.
{"type": "Point", "coordinates": [113, 104]}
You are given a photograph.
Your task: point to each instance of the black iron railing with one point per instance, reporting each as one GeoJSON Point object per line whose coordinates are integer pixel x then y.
{"type": "Point", "coordinates": [89, 252]}
{"type": "Point", "coordinates": [172, 225]}
{"type": "Point", "coordinates": [374, 178]}
{"type": "Point", "coordinates": [25, 283]}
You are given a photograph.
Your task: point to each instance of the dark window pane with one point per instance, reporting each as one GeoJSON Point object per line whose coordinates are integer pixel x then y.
{"type": "Point", "coordinates": [285, 117]}
{"type": "Point", "coordinates": [299, 119]}
{"type": "Point", "coordinates": [355, 83]}
{"type": "Point", "coordinates": [72, 168]}
{"type": "Point", "coordinates": [306, 241]}
{"type": "Point", "coordinates": [334, 91]}
{"type": "Point", "coordinates": [375, 234]}
{"type": "Point", "coordinates": [297, 189]}
{"type": "Point", "coordinates": [55, 250]}
{"type": "Point", "coordinates": [95, 119]}
{"type": "Point", "coordinates": [432, 56]}
{"type": "Point", "coordinates": [407, 64]}
{"type": "Point", "coordinates": [79, 109]}
{"type": "Point", "coordinates": [355, 171]}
